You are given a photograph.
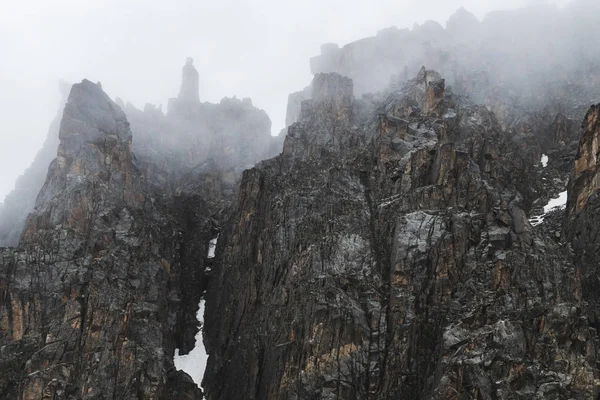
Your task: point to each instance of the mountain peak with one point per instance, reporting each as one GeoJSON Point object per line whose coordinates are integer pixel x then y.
{"type": "Point", "coordinates": [190, 83]}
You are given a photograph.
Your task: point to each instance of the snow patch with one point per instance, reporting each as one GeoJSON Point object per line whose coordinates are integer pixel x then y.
{"type": "Point", "coordinates": [558, 203]}
{"type": "Point", "coordinates": [544, 160]}
{"type": "Point", "coordinates": [194, 363]}
{"type": "Point", "coordinates": [450, 113]}
{"type": "Point", "coordinates": [212, 245]}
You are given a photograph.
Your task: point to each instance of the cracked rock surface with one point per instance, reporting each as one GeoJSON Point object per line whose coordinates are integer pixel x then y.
{"type": "Point", "coordinates": [386, 253]}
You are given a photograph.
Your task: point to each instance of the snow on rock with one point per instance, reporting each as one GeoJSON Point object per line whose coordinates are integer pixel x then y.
{"type": "Point", "coordinates": [558, 203]}
{"type": "Point", "coordinates": [194, 363]}
{"type": "Point", "coordinates": [544, 160]}
{"type": "Point", "coordinates": [535, 221]}
{"type": "Point", "coordinates": [212, 245]}
{"type": "Point", "coordinates": [450, 114]}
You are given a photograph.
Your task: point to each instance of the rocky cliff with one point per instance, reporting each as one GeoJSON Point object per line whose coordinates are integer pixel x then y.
{"type": "Point", "coordinates": [110, 267]}
{"type": "Point", "coordinates": [582, 213]}
{"type": "Point", "coordinates": [87, 297]}
{"type": "Point", "coordinates": [386, 253]}
{"type": "Point", "coordinates": [401, 243]}
{"type": "Point", "coordinates": [528, 65]}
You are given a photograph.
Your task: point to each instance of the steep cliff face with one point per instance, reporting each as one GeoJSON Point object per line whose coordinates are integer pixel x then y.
{"type": "Point", "coordinates": [89, 298]}
{"type": "Point", "coordinates": [583, 210]}
{"type": "Point", "coordinates": [119, 238]}
{"type": "Point", "coordinates": [386, 254]}
{"type": "Point", "coordinates": [585, 180]}
{"type": "Point", "coordinates": [112, 262]}
{"type": "Point", "coordinates": [294, 105]}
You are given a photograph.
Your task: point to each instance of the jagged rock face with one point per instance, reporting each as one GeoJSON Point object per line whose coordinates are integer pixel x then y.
{"type": "Point", "coordinates": [94, 157]}
{"type": "Point", "coordinates": [119, 236]}
{"type": "Point", "coordinates": [215, 141]}
{"type": "Point", "coordinates": [21, 201]}
{"type": "Point", "coordinates": [429, 93]}
{"type": "Point", "coordinates": [329, 112]}
{"type": "Point", "coordinates": [585, 177]}
{"type": "Point", "coordinates": [583, 210]}
{"type": "Point", "coordinates": [90, 301]}
{"type": "Point", "coordinates": [386, 254]}
{"type": "Point", "coordinates": [294, 105]}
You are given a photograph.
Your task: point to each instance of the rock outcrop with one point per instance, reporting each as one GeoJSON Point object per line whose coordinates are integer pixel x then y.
{"type": "Point", "coordinates": [88, 299]}
{"type": "Point", "coordinates": [112, 263]}
{"type": "Point", "coordinates": [583, 211]}
{"type": "Point", "coordinates": [190, 83]}
{"type": "Point", "coordinates": [585, 179]}
{"type": "Point", "coordinates": [386, 253]}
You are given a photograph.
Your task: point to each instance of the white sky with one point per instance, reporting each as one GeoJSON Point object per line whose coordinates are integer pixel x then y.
{"type": "Point", "coordinates": [136, 48]}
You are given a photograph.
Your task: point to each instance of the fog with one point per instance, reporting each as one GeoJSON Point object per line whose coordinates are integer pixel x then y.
{"type": "Point", "coordinates": [136, 48]}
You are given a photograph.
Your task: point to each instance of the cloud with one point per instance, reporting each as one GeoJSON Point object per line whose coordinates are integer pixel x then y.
{"type": "Point", "coordinates": [254, 48]}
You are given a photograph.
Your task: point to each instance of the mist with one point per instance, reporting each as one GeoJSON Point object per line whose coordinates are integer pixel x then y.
{"type": "Point", "coordinates": [273, 199]}
{"type": "Point", "coordinates": [258, 49]}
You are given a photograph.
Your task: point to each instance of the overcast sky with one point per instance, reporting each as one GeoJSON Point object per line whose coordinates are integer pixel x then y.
{"type": "Point", "coordinates": [136, 48]}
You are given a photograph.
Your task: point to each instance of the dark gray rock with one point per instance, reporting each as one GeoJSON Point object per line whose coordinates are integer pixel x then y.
{"type": "Point", "coordinates": [88, 295]}
{"type": "Point", "coordinates": [385, 254]}
{"type": "Point", "coordinates": [582, 212]}
{"type": "Point", "coordinates": [112, 263]}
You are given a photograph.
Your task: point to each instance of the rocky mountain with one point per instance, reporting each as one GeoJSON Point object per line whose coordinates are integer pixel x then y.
{"type": "Point", "coordinates": [226, 138]}
{"type": "Point", "coordinates": [109, 271]}
{"type": "Point", "coordinates": [386, 253]}
{"type": "Point", "coordinates": [407, 240]}
{"type": "Point", "coordinates": [530, 65]}
{"type": "Point", "coordinates": [92, 320]}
